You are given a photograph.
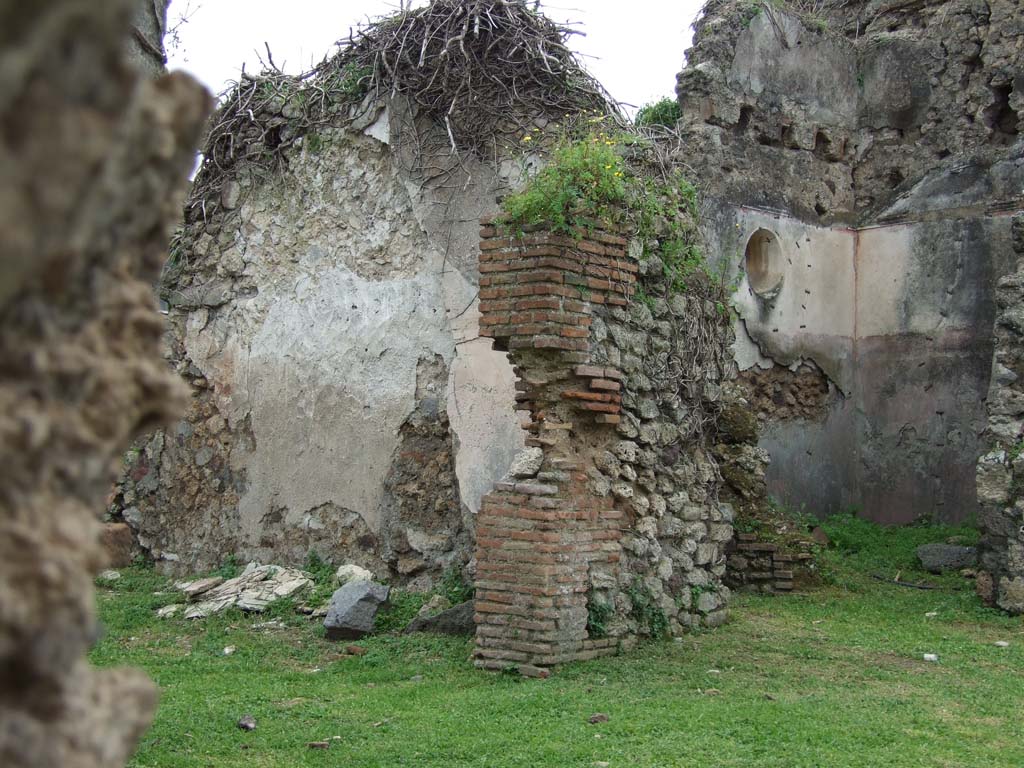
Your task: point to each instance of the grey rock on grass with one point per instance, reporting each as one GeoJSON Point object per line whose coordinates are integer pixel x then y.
{"type": "Point", "coordinates": [455, 621]}
{"type": "Point", "coordinates": [353, 608]}
{"type": "Point", "coordinates": [936, 558]}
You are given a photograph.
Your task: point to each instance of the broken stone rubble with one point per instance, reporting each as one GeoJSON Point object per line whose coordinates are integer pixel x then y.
{"type": "Point", "coordinates": [257, 587]}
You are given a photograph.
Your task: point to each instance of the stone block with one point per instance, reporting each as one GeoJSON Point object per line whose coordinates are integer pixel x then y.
{"type": "Point", "coordinates": [118, 545]}
{"type": "Point", "coordinates": [937, 558]}
{"type": "Point", "coordinates": [353, 608]}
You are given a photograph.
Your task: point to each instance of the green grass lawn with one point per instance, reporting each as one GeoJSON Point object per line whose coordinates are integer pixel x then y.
{"type": "Point", "coordinates": [833, 677]}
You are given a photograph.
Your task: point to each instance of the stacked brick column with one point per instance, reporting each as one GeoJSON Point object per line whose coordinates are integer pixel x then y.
{"type": "Point", "coordinates": [762, 565]}
{"type": "Point", "coordinates": [539, 534]}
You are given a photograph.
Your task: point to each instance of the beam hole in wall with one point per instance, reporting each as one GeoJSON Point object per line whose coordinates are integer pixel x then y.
{"type": "Point", "coordinates": [999, 117]}
{"type": "Point", "coordinates": [763, 262]}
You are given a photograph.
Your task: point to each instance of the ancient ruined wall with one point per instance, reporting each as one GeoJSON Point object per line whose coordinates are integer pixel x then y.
{"type": "Point", "coordinates": [863, 143]}
{"type": "Point", "coordinates": [1000, 579]}
{"type": "Point", "coordinates": [325, 317]}
{"type": "Point", "coordinates": [609, 525]}
{"type": "Point", "coordinates": [94, 159]}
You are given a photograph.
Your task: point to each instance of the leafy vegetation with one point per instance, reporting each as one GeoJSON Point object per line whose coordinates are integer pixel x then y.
{"type": "Point", "coordinates": [354, 80]}
{"type": "Point", "coordinates": [665, 112]}
{"type": "Point", "coordinates": [322, 574]}
{"type": "Point", "coordinates": [584, 180]}
{"type": "Point", "coordinates": [229, 568]}
{"type": "Point", "coordinates": [402, 608]}
{"type": "Point", "coordinates": [649, 616]}
{"type": "Point", "coordinates": [858, 547]}
{"type": "Point", "coordinates": [597, 176]}
{"type": "Point", "coordinates": [454, 586]}
{"type": "Point", "coordinates": [1015, 451]}
{"type": "Point", "coordinates": [598, 613]}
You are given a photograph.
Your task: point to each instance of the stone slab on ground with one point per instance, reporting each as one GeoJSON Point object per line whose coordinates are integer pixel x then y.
{"type": "Point", "coordinates": [457, 620]}
{"type": "Point", "coordinates": [254, 590]}
{"type": "Point", "coordinates": [936, 558]}
{"type": "Point", "coordinates": [353, 608]}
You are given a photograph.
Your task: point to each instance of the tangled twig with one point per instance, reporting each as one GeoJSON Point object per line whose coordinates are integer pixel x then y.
{"type": "Point", "coordinates": [486, 70]}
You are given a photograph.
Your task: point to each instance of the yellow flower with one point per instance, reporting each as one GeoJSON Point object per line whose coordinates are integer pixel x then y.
{"type": "Point", "coordinates": [527, 138]}
{"type": "Point", "coordinates": [618, 173]}
{"type": "Point", "coordinates": [609, 143]}
{"type": "Point", "coordinates": [607, 167]}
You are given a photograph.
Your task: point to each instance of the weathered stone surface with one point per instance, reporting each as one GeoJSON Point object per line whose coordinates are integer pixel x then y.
{"type": "Point", "coordinates": [1000, 471]}
{"type": "Point", "coordinates": [330, 312]}
{"type": "Point", "coordinates": [622, 532]}
{"type": "Point", "coordinates": [937, 558]}
{"type": "Point", "coordinates": [434, 606]}
{"type": "Point", "coordinates": [738, 423]}
{"type": "Point", "coordinates": [192, 589]}
{"type": "Point", "coordinates": [526, 463]}
{"type": "Point", "coordinates": [457, 620]}
{"type": "Point", "coordinates": [908, 137]}
{"type": "Point", "coordinates": [353, 608]}
{"type": "Point", "coordinates": [94, 160]}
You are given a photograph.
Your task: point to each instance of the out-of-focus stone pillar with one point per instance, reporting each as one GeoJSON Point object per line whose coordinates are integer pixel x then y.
{"type": "Point", "coordinates": [94, 158]}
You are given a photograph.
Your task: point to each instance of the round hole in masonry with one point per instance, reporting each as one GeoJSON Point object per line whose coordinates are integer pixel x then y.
{"type": "Point", "coordinates": [763, 262]}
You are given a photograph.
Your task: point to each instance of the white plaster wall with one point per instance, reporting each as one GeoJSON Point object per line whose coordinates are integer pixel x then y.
{"type": "Point", "coordinates": [481, 399]}
{"type": "Point", "coordinates": [813, 315]}
{"type": "Point", "coordinates": [350, 293]}
{"type": "Point", "coordinates": [882, 269]}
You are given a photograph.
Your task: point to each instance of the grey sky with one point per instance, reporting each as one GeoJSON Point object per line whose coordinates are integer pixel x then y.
{"type": "Point", "coordinates": [634, 47]}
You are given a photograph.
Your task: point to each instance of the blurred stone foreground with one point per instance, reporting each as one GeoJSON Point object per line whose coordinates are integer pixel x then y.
{"type": "Point", "coordinates": [94, 159]}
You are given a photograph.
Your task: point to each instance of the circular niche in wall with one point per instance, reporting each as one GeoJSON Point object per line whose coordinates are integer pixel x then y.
{"type": "Point", "coordinates": [763, 262]}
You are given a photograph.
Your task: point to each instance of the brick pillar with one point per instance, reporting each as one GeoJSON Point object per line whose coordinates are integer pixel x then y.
{"type": "Point", "coordinates": [539, 533]}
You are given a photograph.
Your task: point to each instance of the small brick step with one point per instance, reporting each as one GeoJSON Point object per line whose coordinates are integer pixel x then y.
{"type": "Point", "coordinates": [757, 546]}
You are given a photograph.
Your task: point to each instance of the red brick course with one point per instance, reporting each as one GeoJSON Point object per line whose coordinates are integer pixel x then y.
{"type": "Point", "coordinates": [537, 539]}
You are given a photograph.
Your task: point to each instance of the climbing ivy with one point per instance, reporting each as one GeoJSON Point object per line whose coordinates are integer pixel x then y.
{"type": "Point", "coordinates": [648, 615]}
{"type": "Point", "coordinates": [598, 613]}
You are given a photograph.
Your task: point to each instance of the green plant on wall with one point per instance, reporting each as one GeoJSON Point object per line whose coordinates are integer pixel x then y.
{"type": "Point", "coordinates": [665, 113]}
{"type": "Point", "coordinates": [649, 616]}
{"type": "Point", "coordinates": [1015, 451]}
{"type": "Point", "coordinates": [584, 179]}
{"type": "Point", "coordinates": [593, 175]}
{"type": "Point", "coordinates": [598, 614]}
{"type": "Point", "coordinates": [354, 81]}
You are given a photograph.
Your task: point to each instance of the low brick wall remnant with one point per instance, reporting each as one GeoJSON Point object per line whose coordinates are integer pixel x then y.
{"type": "Point", "coordinates": [578, 551]}
{"type": "Point", "coordinates": [537, 536]}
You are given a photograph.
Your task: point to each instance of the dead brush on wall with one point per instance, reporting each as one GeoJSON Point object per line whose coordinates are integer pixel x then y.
{"type": "Point", "coordinates": [486, 69]}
